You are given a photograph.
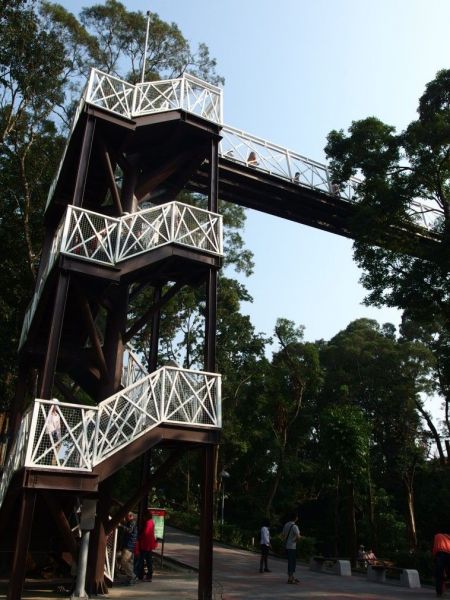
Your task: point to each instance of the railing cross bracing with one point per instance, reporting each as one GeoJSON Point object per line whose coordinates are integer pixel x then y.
{"type": "Point", "coordinates": [187, 93]}
{"type": "Point", "coordinates": [97, 238]}
{"type": "Point", "coordinates": [264, 156]}
{"type": "Point", "coordinates": [73, 437]}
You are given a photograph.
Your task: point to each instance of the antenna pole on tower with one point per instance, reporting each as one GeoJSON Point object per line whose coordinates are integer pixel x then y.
{"type": "Point", "coordinates": [146, 45]}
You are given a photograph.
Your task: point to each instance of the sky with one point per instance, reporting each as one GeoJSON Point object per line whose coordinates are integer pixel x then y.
{"type": "Point", "coordinates": [294, 70]}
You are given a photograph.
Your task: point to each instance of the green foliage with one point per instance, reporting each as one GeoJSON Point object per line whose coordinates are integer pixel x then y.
{"type": "Point", "coordinates": [401, 269]}
{"type": "Point", "coordinates": [120, 36]}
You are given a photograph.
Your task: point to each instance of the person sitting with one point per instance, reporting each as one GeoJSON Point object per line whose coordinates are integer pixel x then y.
{"type": "Point", "coordinates": [370, 557]}
{"type": "Point", "coordinates": [362, 558]}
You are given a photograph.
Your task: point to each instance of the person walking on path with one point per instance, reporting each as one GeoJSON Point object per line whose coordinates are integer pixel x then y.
{"type": "Point", "coordinates": [291, 535]}
{"type": "Point", "coordinates": [441, 553]}
{"type": "Point", "coordinates": [147, 543]}
{"type": "Point", "coordinates": [265, 545]}
{"type": "Point", "coordinates": [128, 547]}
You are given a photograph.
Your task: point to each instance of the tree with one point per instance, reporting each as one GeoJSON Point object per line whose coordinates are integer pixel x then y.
{"type": "Point", "coordinates": [344, 447]}
{"type": "Point", "coordinates": [121, 39]}
{"type": "Point", "coordinates": [368, 368]}
{"type": "Point", "coordinates": [402, 266]}
{"type": "Point", "coordinates": [45, 55]}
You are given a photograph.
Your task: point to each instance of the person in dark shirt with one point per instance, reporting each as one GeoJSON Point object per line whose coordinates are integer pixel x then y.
{"type": "Point", "coordinates": [129, 540]}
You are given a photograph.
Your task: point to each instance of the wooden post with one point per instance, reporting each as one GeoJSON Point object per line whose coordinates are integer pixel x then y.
{"type": "Point", "coordinates": [21, 546]}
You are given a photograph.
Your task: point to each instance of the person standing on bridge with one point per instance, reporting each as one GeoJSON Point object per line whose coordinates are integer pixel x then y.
{"type": "Point", "coordinates": [291, 535]}
{"type": "Point", "coordinates": [441, 553]}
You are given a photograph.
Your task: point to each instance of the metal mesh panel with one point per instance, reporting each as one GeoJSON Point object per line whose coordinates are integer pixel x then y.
{"type": "Point", "coordinates": [190, 398]}
{"type": "Point", "coordinates": [110, 93]}
{"type": "Point", "coordinates": [145, 230]}
{"type": "Point", "coordinates": [126, 415]}
{"type": "Point", "coordinates": [171, 222]}
{"type": "Point", "coordinates": [110, 557]}
{"type": "Point", "coordinates": [200, 100]}
{"type": "Point", "coordinates": [91, 235]}
{"type": "Point", "coordinates": [132, 370]}
{"type": "Point", "coordinates": [16, 458]}
{"type": "Point", "coordinates": [63, 435]}
{"type": "Point", "coordinates": [53, 255]}
{"type": "Point", "coordinates": [198, 228]}
{"type": "Point", "coordinates": [157, 96]}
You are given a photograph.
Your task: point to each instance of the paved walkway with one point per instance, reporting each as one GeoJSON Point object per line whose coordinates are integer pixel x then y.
{"type": "Point", "coordinates": [236, 577]}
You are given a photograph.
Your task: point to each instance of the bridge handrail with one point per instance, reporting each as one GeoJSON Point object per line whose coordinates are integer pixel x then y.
{"type": "Point", "coordinates": [244, 148]}
{"type": "Point", "coordinates": [247, 149]}
{"type": "Point", "coordinates": [90, 434]}
{"type": "Point", "coordinates": [98, 238]}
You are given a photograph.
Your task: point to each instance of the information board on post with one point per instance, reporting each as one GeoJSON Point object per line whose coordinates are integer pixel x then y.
{"type": "Point", "coordinates": [158, 516]}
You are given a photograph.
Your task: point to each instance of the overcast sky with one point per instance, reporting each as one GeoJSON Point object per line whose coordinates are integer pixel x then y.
{"type": "Point", "coordinates": [294, 70]}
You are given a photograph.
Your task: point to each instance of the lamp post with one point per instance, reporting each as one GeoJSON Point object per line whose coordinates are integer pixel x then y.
{"type": "Point", "coordinates": [145, 46]}
{"type": "Point", "coordinates": [223, 475]}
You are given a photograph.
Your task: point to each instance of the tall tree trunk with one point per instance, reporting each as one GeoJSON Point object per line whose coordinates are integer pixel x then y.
{"type": "Point", "coordinates": [336, 518]}
{"type": "Point", "coordinates": [433, 430]}
{"type": "Point", "coordinates": [351, 523]}
{"type": "Point", "coordinates": [411, 517]}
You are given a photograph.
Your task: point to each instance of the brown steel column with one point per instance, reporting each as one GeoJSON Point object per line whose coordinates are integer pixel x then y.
{"type": "Point", "coordinates": [213, 192]}
{"type": "Point", "coordinates": [21, 546]}
{"type": "Point", "coordinates": [206, 525]}
{"type": "Point", "coordinates": [207, 457]}
{"type": "Point", "coordinates": [151, 366]}
{"type": "Point", "coordinates": [83, 163]}
{"type": "Point", "coordinates": [51, 358]}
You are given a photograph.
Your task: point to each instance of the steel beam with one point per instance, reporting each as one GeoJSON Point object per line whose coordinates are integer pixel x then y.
{"type": "Point", "coordinates": [51, 357]}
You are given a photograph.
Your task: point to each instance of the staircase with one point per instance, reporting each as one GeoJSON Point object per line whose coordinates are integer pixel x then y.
{"type": "Point", "coordinates": [89, 435]}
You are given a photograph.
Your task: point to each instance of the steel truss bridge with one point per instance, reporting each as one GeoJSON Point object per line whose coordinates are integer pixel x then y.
{"type": "Point", "coordinates": [236, 146]}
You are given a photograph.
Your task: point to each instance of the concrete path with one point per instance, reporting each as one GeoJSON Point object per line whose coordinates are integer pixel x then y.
{"type": "Point", "coordinates": [236, 577]}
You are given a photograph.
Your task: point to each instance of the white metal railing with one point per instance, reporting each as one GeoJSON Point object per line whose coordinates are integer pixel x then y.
{"type": "Point", "coordinates": [132, 369]}
{"type": "Point", "coordinates": [66, 436]}
{"type": "Point", "coordinates": [261, 155]}
{"type": "Point", "coordinates": [206, 100]}
{"type": "Point", "coordinates": [187, 92]}
{"type": "Point", "coordinates": [17, 454]}
{"type": "Point", "coordinates": [107, 240]}
{"type": "Point", "coordinates": [110, 240]}
{"type": "Point", "coordinates": [110, 556]}
{"type": "Point", "coordinates": [169, 223]}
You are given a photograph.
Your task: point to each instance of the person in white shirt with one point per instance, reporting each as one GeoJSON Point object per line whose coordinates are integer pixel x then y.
{"type": "Point", "coordinates": [264, 540]}
{"type": "Point", "coordinates": [291, 535]}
